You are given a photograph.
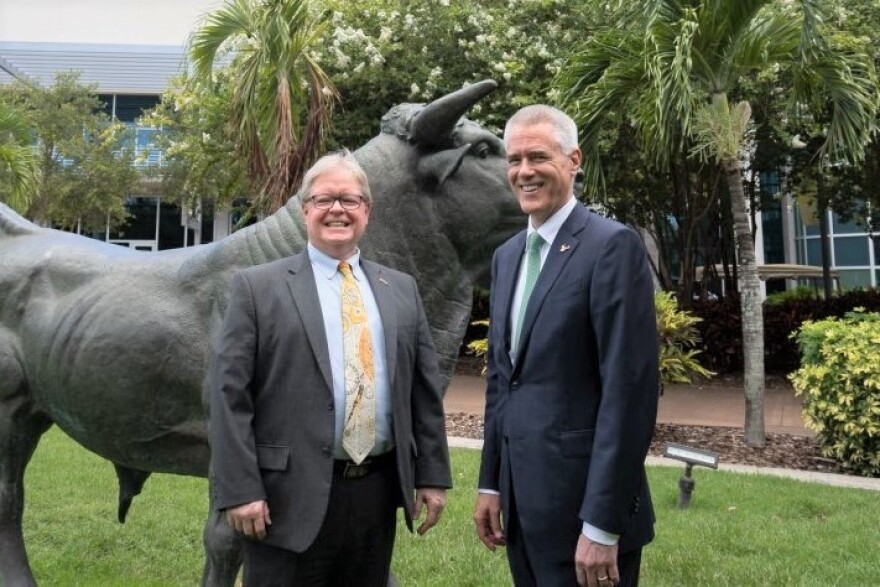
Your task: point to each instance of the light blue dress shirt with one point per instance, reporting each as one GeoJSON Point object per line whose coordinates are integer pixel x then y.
{"type": "Point", "coordinates": [328, 280]}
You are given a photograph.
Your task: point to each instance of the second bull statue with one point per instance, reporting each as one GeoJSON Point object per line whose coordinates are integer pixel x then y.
{"type": "Point", "coordinates": [112, 345]}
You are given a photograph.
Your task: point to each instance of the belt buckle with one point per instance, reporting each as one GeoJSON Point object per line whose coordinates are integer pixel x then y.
{"type": "Point", "coordinates": [353, 471]}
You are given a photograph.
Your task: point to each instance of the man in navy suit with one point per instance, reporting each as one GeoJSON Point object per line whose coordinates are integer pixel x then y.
{"type": "Point", "coordinates": [571, 398]}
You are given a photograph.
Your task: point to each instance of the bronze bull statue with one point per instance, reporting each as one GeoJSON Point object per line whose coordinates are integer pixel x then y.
{"type": "Point", "coordinates": [112, 345]}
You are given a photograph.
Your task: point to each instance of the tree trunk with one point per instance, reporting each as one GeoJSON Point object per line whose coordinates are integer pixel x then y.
{"type": "Point", "coordinates": [752, 307]}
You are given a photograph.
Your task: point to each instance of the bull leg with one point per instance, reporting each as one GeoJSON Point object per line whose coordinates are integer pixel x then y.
{"type": "Point", "coordinates": [223, 554]}
{"type": "Point", "coordinates": [20, 429]}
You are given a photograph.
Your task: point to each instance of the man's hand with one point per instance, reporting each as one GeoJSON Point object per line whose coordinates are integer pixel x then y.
{"type": "Point", "coordinates": [596, 564]}
{"type": "Point", "coordinates": [251, 519]}
{"type": "Point", "coordinates": [435, 499]}
{"type": "Point", "coordinates": [487, 517]}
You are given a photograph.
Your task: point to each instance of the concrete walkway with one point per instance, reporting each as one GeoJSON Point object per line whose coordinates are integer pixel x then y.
{"type": "Point", "coordinates": [711, 405]}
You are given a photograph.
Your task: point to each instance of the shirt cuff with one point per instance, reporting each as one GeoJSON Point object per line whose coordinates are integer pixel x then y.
{"type": "Point", "coordinates": [600, 536]}
{"type": "Point", "coordinates": [489, 491]}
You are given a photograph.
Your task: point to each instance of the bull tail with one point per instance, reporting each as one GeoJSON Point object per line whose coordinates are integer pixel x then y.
{"type": "Point", "coordinates": [13, 224]}
{"type": "Point", "coordinates": [131, 482]}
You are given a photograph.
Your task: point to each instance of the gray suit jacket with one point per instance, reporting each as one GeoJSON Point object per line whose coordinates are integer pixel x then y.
{"type": "Point", "coordinates": [568, 424]}
{"type": "Point", "coordinates": [272, 419]}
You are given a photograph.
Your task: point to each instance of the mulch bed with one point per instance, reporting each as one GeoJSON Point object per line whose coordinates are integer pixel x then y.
{"type": "Point", "coordinates": [784, 451]}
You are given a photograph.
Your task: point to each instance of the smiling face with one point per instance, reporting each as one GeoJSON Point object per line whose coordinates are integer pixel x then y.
{"type": "Point", "coordinates": [336, 231]}
{"type": "Point", "coordinates": [540, 173]}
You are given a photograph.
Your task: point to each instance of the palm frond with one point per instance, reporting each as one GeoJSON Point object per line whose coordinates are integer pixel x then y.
{"type": "Point", "coordinates": [596, 83]}
{"type": "Point", "coordinates": [233, 20]}
{"type": "Point", "coordinates": [277, 87]}
{"type": "Point", "coordinates": [767, 39]}
{"type": "Point", "coordinates": [19, 165]}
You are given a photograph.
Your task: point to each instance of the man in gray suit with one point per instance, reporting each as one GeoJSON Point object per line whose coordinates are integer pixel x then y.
{"type": "Point", "coordinates": [311, 454]}
{"type": "Point", "coordinates": [572, 388]}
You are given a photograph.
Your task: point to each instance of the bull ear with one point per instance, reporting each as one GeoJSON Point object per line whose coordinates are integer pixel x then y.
{"type": "Point", "coordinates": [433, 125]}
{"type": "Point", "coordinates": [442, 164]}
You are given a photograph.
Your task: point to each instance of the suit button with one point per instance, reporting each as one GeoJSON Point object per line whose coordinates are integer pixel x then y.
{"type": "Point", "coordinates": [327, 451]}
{"type": "Point", "coordinates": [330, 406]}
{"type": "Point", "coordinates": [514, 384]}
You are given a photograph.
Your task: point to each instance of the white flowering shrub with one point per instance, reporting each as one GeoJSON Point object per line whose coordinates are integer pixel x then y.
{"type": "Point", "coordinates": [383, 52]}
{"type": "Point", "coordinates": [379, 53]}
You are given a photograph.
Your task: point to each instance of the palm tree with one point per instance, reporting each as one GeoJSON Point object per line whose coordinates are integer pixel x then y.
{"type": "Point", "coordinates": [282, 99]}
{"type": "Point", "coordinates": [19, 168]}
{"type": "Point", "coordinates": [671, 66]}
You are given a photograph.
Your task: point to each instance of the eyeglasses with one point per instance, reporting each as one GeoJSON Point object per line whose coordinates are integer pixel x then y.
{"type": "Point", "coordinates": [326, 201]}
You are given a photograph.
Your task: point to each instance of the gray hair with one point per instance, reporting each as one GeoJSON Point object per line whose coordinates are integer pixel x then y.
{"type": "Point", "coordinates": [340, 159]}
{"type": "Point", "coordinates": [563, 126]}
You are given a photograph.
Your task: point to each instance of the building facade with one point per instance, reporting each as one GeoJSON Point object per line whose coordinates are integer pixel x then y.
{"type": "Point", "coordinates": [129, 51]}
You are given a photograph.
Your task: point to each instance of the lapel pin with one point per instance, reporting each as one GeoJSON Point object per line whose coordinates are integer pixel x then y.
{"type": "Point", "coordinates": [382, 279]}
{"type": "Point", "coordinates": [563, 248]}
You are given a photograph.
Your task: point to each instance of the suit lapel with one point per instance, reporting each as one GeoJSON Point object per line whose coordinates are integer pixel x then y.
{"type": "Point", "coordinates": [301, 281]}
{"type": "Point", "coordinates": [508, 270]}
{"type": "Point", "coordinates": [384, 297]}
{"type": "Point", "coordinates": [561, 250]}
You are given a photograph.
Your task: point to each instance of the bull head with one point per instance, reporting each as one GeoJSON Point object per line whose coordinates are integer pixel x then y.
{"type": "Point", "coordinates": [434, 125]}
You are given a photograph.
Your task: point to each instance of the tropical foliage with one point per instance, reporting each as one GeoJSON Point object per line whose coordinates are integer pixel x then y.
{"type": "Point", "coordinates": [19, 172]}
{"type": "Point", "coordinates": [671, 69]}
{"type": "Point", "coordinates": [200, 147]}
{"type": "Point", "coordinates": [679, 342]}
{"type": "Point", "coordinates": [839, 381]}
{"type": "Point", "coordinates": [84, 172]}
{"type": "Point", "coordinates": [383, 52]}
{"type": "Point", "coordinates": [678, 338]}
{"type": "Point", "coordinates": [377, 54]}
{"type": "Point", "coordinates": [279, 98]}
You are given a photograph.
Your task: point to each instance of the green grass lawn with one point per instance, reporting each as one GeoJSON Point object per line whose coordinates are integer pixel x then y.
{"type": "Point", "coordinates": [740, 530]}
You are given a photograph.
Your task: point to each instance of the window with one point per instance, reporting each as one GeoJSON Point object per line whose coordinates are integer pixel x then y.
{"type": "Point", "coordinates": [840, 227]}
{"type": "Point", "coordinates": [771, 224]}
{"type": "Point", "coordinates": [814, 252]}
{"type": "Point", "coordinates": [854, 278]}
{"type": "Point", "coordinates": [142, 223]}
{"type": "Point", "coordinates": [130, 108]}
{"type": "Point", "coordinates": [850, 251]}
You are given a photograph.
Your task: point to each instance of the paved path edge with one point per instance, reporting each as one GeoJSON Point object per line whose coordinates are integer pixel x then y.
{"type": "Point", "coordinates": [834, 479]}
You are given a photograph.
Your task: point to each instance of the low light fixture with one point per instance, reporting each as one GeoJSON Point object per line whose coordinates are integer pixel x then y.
{"type": "Point", "coordinates": [690, 457]}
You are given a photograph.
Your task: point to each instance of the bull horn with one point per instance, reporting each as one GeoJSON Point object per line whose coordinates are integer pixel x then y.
{"type": "Point", "coordinates": [435, 122]}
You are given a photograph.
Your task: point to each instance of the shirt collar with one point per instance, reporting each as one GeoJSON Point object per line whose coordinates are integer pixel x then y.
{"type": "Point", "coordinates": [328, 266]}
{"type": "Point", "coordinates": [551, 226]}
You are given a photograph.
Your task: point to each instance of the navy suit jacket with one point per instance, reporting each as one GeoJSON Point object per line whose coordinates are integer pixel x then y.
{"type": "Point", "coordinates": [569, 422]}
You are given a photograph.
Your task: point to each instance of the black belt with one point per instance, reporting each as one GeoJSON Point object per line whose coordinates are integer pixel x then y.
{"type": "Point", "coordinates": [352, 470]}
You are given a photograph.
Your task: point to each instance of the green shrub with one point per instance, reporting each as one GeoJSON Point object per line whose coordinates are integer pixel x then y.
{"type": "Point", "coordinates": [678, 341]}
{"type": "Point", "coordinates": [839, 381]}
{"type": "Point", "coordinates": [721, 328]}
{"type": "Point", "coordinates": [801, 292]}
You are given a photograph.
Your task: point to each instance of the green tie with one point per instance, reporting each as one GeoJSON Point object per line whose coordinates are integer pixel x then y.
{"type": "Point", "coordinates": [533, 269]}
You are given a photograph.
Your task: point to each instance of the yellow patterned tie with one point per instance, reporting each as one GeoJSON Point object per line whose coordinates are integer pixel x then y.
{"type": "Point", "coordinates": [359, 431]}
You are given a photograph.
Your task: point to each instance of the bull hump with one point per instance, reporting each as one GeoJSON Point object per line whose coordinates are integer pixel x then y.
{"type": "Point", "coordinates": [12, 224]}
